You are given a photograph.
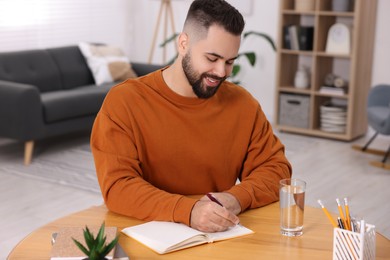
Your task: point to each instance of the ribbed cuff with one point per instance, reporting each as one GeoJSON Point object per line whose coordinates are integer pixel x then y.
{"type": "Point", "coordinates": [242, 196]}
{"type": "Point", "coordinates": [182, 211]}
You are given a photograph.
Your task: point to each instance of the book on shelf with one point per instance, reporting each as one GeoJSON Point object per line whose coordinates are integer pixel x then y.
{"type": "Point", "coordinates": [165, 237]}
{"type": "Point", "coordinates": [333, 90]}
{"type": "Point", "coordinates": [298, 37]}
{"type": "Point", "coordinates": [64, 247]}
{"type": "Point", "coordinates": [286, 38]}
{"type": "Point", "coordinates": [306, 34]}
{"type": "Point", "coordinates": [294, 40]}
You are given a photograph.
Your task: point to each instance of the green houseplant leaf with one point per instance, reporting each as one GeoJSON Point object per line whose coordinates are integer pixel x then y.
{"type": "Point", "coordinates": [236, 70]}
{"type": "Point", "coordinates": [168, 40]}
{"type": "Point", "coordinates": [263, 35]}
{"type": "Point", "coordinates": [251, 57]}
{"type": "Point", "coordinates": [81, 247]}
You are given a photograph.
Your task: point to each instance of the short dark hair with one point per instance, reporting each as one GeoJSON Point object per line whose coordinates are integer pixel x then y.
{"type": "Point", "coordinates": [209, 12]}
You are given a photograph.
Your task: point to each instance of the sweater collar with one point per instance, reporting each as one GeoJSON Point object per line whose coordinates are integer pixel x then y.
{"type": "Point", "coordinates": [170, 94]}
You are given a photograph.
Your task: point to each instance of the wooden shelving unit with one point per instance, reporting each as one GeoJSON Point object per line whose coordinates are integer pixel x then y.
{"type": "Point", "coordinates": [355, 67]}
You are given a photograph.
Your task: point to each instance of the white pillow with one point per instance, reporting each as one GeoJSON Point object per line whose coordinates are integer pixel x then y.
{"type": "Point", "coordinates": [107, 63]}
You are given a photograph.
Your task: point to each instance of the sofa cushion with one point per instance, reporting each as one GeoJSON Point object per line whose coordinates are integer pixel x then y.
{"type": "Point", "coordinates": [33, 67]}
{"type": "Point", "coordinates": [107, 63]}
{"type": "Point", "coordinates": [78, 102]}
{"type": "Point", "coordinates": [72, 66]}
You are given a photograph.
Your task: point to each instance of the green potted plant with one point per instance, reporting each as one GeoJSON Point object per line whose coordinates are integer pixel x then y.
{"type": "Point", "coordinates": [250, 55]}
{"type": "Point", "coordinates": [96, 249]}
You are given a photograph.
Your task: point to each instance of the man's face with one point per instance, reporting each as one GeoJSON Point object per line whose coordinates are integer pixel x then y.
{"type": "Point", "coordinates": [204, 85]}
{"type": "Point", "coordinates": [209, 61]}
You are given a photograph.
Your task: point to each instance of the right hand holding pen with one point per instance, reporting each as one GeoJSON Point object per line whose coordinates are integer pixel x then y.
{"type": "Point", "coordinates": [208, 216]}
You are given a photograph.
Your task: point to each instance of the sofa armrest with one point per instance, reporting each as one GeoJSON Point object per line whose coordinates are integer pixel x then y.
{"type": "Point", "coordinates": [144, 68]}
{"type": "Point", "coordinates": [21, 114]}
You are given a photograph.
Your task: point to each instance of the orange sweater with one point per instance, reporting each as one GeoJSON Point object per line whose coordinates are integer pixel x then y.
{"type": "Point", "coordinates": [154, 148]}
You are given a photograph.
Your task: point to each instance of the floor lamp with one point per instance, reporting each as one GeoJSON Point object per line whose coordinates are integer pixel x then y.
{"type": "Point", "coordinates": [166, 7]}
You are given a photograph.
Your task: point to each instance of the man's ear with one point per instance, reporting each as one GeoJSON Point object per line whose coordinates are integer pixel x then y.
{"type": "Point", "coordinates": [183, 42]}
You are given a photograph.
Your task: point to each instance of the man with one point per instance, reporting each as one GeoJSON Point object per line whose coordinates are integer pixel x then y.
{"type": "Point", "coordinates": [163, 141]}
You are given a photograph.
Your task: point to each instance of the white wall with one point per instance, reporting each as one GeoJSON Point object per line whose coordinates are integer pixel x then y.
{"type": "Point", "coordinates": [31, 24]}
{"type": "Point", "coordinates": [381, 71]}
{"type": "Point", "coordinates": [260, 81]}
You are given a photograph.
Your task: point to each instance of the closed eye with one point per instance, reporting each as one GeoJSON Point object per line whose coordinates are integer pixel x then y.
{"type": "Point", "coordinates": [213, 57]}
{"type": "Point", "coordinates": [230, 62]}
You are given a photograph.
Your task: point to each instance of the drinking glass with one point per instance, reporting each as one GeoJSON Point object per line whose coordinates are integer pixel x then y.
{"type": "Point", "coordinates": [292, 204]}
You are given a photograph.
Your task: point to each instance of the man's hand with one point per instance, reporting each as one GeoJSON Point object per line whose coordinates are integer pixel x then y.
{"type": "Point", "coordinates": [208, 216]}
{"type": "Point", "coordinates": [227, 200]}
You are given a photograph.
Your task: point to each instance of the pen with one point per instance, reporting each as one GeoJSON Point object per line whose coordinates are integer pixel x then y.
{"type": "Point", "coordinates": [327, 214]}
{"type": "Point", "coordinates": [354, 225]}
{"type": "Point", "coordinates": [341, 214]}
{"type": "Point", "coordinates": [212, 198]}
{"type": "Point", "coordinates": [341, 224]}
{"type": "Point", "coordinates": [349, 224]}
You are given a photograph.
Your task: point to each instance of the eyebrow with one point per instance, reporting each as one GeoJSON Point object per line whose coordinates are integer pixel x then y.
{"type": "Point", "coordinates": [219, 56]}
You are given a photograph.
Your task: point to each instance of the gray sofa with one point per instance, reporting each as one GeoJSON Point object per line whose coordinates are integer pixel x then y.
{"type": "Point", "coordinates": [49, 92]}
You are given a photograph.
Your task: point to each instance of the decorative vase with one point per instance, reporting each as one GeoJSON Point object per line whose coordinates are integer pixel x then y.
{"type": "Point", "coordinates": [301, 79]}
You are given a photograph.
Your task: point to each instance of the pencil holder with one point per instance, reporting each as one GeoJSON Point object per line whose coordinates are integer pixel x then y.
{"type": "Point", "coordinates": [354, 245]}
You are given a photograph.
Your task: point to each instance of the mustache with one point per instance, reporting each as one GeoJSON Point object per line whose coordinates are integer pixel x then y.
{"type": "Point", "coordinates": [213, 77]}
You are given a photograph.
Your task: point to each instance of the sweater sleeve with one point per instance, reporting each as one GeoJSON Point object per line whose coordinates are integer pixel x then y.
{"type": "Point", "coordinates": [264, 166]}
{"type": "Point", "coordinates": [120, 175]}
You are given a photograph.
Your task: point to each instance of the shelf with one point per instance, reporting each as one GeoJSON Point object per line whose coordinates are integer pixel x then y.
{"type": "Point", "coordinates": [294, 12]}
{"type": "Point", "coordinates": [333, 55]}
{"type": "Point", "coordinates": [331, 95]}
{"type": "Point", "coordinates": [292, 89]}
{"type": "Point", "coordinates": [322, 13]}
{"type": "Point", "coordinates": [340, 14]}
{"type": "Point", "coordinates": [318, 53]}
{"type": "Point", "coordinates": [353, 67]}
{"type": "Point", "coordinates": [296, 52]}
{"type": "Point", "coordinates": [314, 132]}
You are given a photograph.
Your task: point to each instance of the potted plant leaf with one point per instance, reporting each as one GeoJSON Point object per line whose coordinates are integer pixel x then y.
{"type": "Point", "coordinates": [96, 249]}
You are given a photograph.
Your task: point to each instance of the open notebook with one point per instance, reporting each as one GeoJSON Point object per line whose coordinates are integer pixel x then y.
{"type": "Point", "coordinates": [164, 237]}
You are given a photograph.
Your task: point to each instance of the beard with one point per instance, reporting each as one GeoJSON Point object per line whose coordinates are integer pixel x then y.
{"type": "Point", "coordinates": [200, 89]}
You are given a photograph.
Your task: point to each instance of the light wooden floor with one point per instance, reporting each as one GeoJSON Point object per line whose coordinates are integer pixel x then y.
{"type": "Point", "coordinates": [331, 168]}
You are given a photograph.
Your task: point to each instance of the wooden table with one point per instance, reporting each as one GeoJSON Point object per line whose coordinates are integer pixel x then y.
{"type": "Point", "coordinates": [266, 243]}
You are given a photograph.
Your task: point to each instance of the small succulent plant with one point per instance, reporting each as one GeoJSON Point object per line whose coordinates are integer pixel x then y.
{"type": "Point", "coordinates": [97, 247]}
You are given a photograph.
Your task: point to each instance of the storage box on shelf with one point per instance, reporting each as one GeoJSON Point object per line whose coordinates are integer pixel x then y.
{"type": "Point", "coordinates": [352, 65]}
{"type": "Point", "coordinates": [294, 110]}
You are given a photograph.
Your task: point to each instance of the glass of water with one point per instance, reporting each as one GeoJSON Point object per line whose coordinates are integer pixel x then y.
{"type": "Point", "coordinates": [292, 205]}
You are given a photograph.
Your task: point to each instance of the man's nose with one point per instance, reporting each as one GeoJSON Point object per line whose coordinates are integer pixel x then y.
{"type": "Point", "coordinates": [220, 69]}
